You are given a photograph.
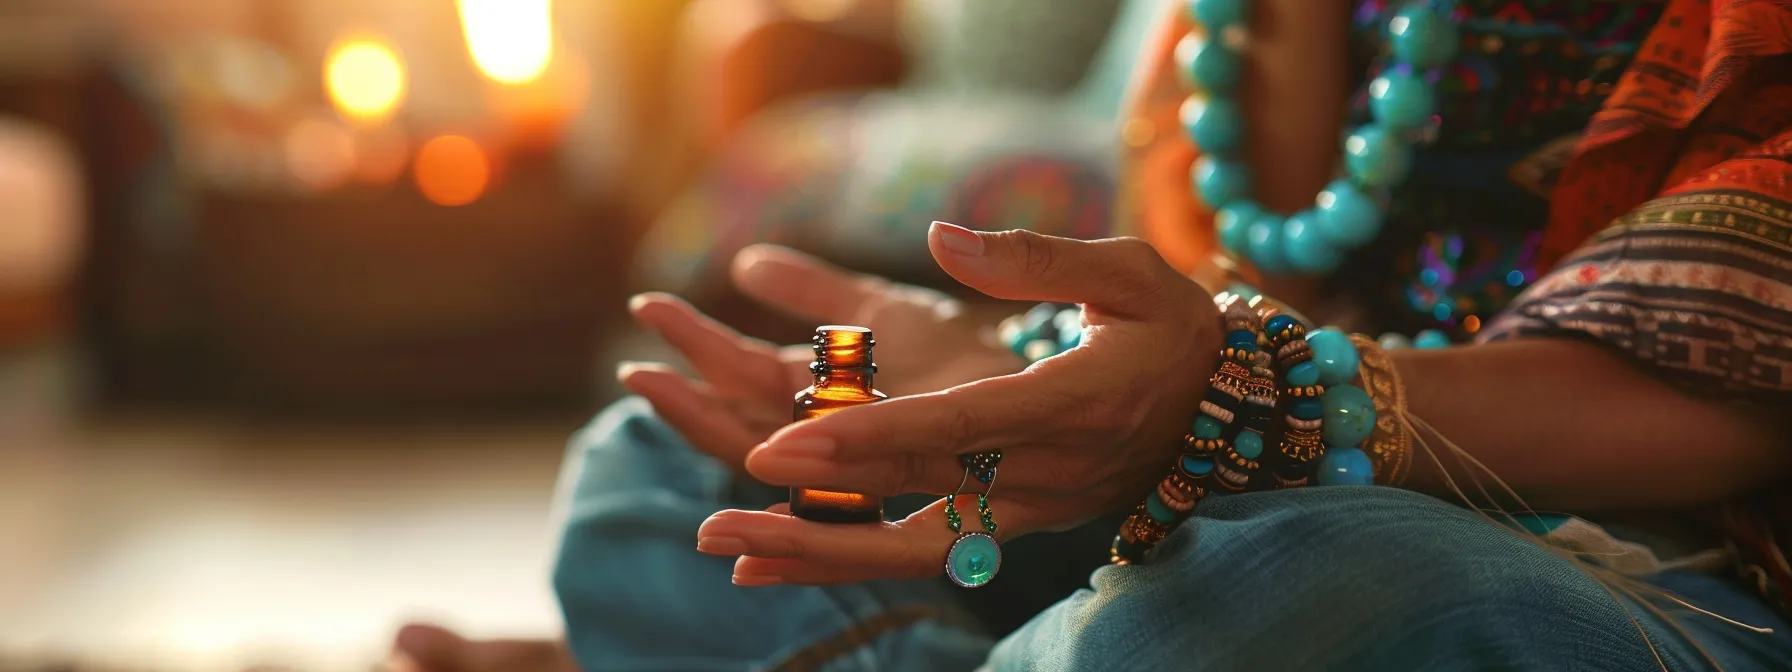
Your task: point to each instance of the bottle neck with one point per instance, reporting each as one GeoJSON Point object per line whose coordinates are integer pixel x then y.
{"type": "Point", "coordinates": [842, 377]}
{"type": "Point", "coordinates": [843, 360]}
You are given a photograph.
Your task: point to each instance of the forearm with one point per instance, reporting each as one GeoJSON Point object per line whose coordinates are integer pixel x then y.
{"type": "Point", "coordinates": [1570, 424]}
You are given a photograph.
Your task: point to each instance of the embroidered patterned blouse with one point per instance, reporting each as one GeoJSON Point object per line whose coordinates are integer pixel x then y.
{"type": "Point", "coordinates": [1670, 231]}
{"type": "Point", "coordinates": [1613, 170]}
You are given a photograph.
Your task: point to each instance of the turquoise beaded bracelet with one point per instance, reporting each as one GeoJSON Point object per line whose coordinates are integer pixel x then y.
{"type": "Point", "coordinates": [1326, 420]}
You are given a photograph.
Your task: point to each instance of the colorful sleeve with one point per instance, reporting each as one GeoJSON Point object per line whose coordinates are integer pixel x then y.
{"type": "Point", "coordinates": [1673, 223]}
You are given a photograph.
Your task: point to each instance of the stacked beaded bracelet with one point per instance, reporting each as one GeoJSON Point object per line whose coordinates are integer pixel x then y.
{"type": "Point", "coordinates": [1222, 448]}
{"type": "Point", "coordinates": [1324, 424]}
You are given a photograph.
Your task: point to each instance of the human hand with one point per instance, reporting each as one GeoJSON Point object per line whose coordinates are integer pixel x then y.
{"type": "Point", "coordinates": [744, 387]}
{"type": "Point", "coordinates": [1085, 432]}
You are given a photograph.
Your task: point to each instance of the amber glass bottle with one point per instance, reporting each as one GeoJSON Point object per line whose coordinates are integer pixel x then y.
{"type": "Point", "coordinates": [843, 371]}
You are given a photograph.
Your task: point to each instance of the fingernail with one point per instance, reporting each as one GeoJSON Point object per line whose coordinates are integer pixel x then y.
{"type": "Point", "coordinates": [799, 449]}
{"type": "Point", "coordinates": [635, 302]}
{"type": "Point", "coordinates": [626, 369]}
{"type": "Point", "coordinates": [959, 239]}
{"type": "Point", "coordinates": [722, 546]}
{"type": "Point", "coordinates": [757, 580]}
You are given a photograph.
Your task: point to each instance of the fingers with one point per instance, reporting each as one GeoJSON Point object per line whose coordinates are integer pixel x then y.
{"type": "Point", "coordinates": [886, 477]}
{"type": "Point", "coordinates": [989, 414]}
{"type": "Point", "coordinates": [805, 287]}
{"type": "Point", "coordinates": [783, 549]}
{"type": "Point", "coordinates": [1122, 276]}
{"type": "Point", "coordinates": [720, 355]}
{"type": "Point", "coordinates": [697, 414]}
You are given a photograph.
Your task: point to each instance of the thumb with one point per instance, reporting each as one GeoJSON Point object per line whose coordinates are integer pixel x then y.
{"type": "Point", "coordinates": [1121, 276]}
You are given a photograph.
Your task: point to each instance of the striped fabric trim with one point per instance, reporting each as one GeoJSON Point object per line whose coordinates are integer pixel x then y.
{"type": "Point", "coordinates": [1696, 285]}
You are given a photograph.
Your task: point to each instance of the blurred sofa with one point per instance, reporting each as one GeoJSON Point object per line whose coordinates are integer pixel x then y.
{"type": "Point", "coordinates": [1005, 116]}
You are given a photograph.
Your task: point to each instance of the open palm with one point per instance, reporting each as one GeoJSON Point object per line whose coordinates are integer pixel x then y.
{"type": "Point", "coordinates": [742, 392]}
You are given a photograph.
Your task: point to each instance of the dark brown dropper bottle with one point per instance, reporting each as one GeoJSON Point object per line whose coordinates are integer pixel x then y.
{"type": "Point", "coordinates": [843, 370]}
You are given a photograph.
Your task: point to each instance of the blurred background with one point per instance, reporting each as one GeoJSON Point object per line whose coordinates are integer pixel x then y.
{"type": "Point", "coordinates": [299, 299]}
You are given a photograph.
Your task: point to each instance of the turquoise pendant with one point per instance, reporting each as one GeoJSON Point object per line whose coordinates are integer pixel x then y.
{"type": "Point", "coordinates": [973, 560]}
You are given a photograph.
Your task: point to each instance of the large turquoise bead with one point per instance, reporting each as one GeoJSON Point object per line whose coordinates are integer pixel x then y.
{"type": "Point", "coordinates": [1345, 466]}
{"type": "Point", "coordinates": [1207, 64]}
{"type": "Point", "coordinates": [1306, 249]}
{"type": "Point", "coordinates": [1232, 223]}
{"type": "Point", "coordinates": [1302, 374]}
{"type": "Point", "coordinates": [1265, 244]}
{"type": "Point", "coordinates": [1431, 339]}
{"type": "Point", "coordinates": [1374, 157]}
{"type": "Point", "coordinates": [1335, 356]}
{"type": "Point", "coordinates": [1347, 216]}
{"type": "Point", "coordinates": [1220, 183]}
{"type": "Point", "coordinates": [973, 560]}
{"type": "Point", "coordinates": [1215, 124]}
{"type": "Point", "coordinates": [1401, 99]}
{"type": "Point", "coordinates": [1217, 14]}
{"type": "Point", "coordinates": [1349, 415]}
{"type": "Point", "coordinates": [1207, 427]}
{"type": "Point", "coordinates": [1423, 36]}
{"type": "Point", "coordinates": [1248, 444]}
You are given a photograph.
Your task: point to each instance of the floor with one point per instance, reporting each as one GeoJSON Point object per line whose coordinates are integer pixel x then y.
{"type": "Point", "coordinates": [199, 544]}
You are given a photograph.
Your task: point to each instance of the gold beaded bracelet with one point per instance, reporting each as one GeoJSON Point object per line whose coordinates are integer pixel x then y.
{"type": "Point", "coordinates": [1390, 444]}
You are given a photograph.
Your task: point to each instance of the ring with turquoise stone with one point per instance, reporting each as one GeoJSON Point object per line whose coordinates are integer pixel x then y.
{"type": "Point", "coordinates": [974, 557]}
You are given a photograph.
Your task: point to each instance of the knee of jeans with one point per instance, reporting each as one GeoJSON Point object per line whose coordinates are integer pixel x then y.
{"type": "Point", "coordinates": [608, 538]}
{"type": "Point", "coordinates": [1377, 535]}
{"type": "Point", "coordinates": [1324, 570]}
{"type": "Point", "coordinates": [1392, 559]}
{"type": "Point", "coordinates": [627, 421]}
{"type": "Point", "coordinates": [628, 447]}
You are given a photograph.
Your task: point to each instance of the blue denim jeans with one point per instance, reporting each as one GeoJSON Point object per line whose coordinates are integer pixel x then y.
{"type": "Point", "coordinates": [1340, 578]}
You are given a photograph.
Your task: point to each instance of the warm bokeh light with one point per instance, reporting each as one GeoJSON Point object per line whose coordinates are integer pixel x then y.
{"type": "Point", "coordinates": [365, 79]}
{"type": "Point", "coordinates": [511, 41]}
{"type": "Point", "coordinates": [452, 170]}
{"type": "Point", "coordinates": [319, 154]}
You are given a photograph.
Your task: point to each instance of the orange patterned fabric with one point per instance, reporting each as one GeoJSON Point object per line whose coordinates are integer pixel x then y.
{"type": "Point", "coordinates": [1668, 123]}
{"type": "Point", "coordinates": [1669, 236]}
{"type": "Point", "coordinates": [1160, 205]}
